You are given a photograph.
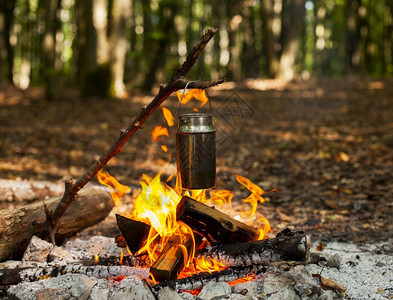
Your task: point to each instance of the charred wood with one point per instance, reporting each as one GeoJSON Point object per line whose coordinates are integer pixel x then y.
{"type": "Point", "coordinates": [17, 275]}
{"type": "Point", "coordinates": [18, 225]}
{"type": "Point", "coordinates": [134, 232]}
{"type": "Point", "coordinates": [286, 246]}
{"type": "Point", "coordinates": [215, 226]}
{"type": "Point", "coordinates": [199, 280]}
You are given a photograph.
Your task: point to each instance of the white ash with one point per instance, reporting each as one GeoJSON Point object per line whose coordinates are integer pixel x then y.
{"type": "Point", "coordinates": [97, 245]}
{"type": "Point", "coordinates": [364, 271]}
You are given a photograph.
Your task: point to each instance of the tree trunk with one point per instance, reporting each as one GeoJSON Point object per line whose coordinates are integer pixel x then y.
{"type": "Point", "coordinates": [48, 10]}
{"type": "Point", "coordinates": [93, 59]}
{"type": "Point", "coordinates": [269, 37]}
{"type": "Point", "coordinates": [6, 49]}
{"type": "Point", "coordinates": [292, 22]}
{"type": "Point", "coordinates": [121, 11]}
{"type": "Point", "coordinates": [353, 34]}
{"type": "Point", "coordinates": [164, 29]}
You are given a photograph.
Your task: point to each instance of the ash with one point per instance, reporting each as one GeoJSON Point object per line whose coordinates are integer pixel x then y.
{"type": "Point", "coordinates": [365, 271]}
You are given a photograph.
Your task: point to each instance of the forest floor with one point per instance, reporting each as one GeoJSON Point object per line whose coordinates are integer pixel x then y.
{"type": "Point", "coordinates": [326, 145]}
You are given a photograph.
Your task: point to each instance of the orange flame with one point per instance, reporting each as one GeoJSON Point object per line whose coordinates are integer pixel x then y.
{"type": "Point", "coordinates": [159, 131]}
{"type": "Point", "coordinates": [168, 116]}
{"type": "Point", "coordinates": [198, 94]}
{"type": "Point", "coordinates": [117, 189]}
{"type": "Point", "coordinates": [96, 258]}
{"type": "Point", "coordinates": [202, 264]}
{"type": "Point", "coordinates": [164, 148]}
{"type": "Point", "coordinates": [156, 205]}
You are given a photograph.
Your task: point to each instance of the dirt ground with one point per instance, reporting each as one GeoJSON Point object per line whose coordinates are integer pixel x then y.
{"type": "Point", "coordinates": [326, 145]}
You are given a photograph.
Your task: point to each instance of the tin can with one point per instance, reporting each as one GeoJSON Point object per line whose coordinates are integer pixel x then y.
{"type": "Point", "coordinates": [196, 151]}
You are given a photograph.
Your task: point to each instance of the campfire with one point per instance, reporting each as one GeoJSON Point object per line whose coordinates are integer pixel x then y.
{"type": "Point", "coordinates": [171, 228]}
{"type": "Point", "coordinates": [185, 240]}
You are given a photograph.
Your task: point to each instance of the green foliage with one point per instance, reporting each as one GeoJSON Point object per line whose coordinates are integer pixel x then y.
{"type": "Point", "coordinates": [337, 37]}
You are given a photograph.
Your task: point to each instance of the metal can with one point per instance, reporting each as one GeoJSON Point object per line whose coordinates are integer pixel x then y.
{"type": "Point", "coordinates": [196, 151]}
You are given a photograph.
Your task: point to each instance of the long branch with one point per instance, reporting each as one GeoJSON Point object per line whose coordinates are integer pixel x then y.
{"type": "Point", "coordinates": [176, 83]}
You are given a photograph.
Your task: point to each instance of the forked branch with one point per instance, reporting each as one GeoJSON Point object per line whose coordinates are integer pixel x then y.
{"type": "Point", "coordinates": [178, 82]}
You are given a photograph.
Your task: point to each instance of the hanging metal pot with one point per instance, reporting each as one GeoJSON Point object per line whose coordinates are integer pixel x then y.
{"type": "Point", "coordinates": [196, 149]}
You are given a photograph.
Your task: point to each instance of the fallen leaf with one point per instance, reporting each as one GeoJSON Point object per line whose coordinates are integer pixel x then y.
{"type": "Point", "coordinates": [329, 284]}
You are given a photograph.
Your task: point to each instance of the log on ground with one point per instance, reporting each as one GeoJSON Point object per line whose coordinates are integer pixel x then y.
{"type": "Point", "coordinates": [18, 225]}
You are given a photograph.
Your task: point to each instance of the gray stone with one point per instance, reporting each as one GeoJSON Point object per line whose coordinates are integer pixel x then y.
{"type": "Point", "coordinates": [168, 293]}
{"type": "Point", "coordinates": [325, 259]}
{"type": "Point", "coordinates": [58, 253]}
{"type": "Point", "coordinates": [37, 250]}
{"type": "Point", "coordinates": [276, 281]}
{"type": "Point", "coordinates": [10, 264]}
{"type": "Point", "coordinates": [214, 290]}
{"type": "Point", "coordinates": [132, 288]}
{"type": "Point", "coordinates": [329, 295]}
{"type": "Point", "coordinates": [101, 290]}
{"type": "Point", "coordinates": [239, 297]}
{"type": "Point", "coordinates": [249, 288]}
{"type": "Point", "coordinates": [52, 294]}
{"type": "Point", "coordinates": [287, 293]}
{"type": "Point", "coordinates": [77, 286]}
{"type": "Point", "coordinates": [304, 283]}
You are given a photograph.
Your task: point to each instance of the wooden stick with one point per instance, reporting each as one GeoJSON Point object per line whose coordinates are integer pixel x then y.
{"type": "Point", "coordinates": [176, 83]}
{"type": "Point", "coordinates": [214, 225]}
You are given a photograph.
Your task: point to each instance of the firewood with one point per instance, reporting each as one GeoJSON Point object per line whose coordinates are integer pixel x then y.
{"type": "Point", "coordinates": [18, 225]}
{"type": "Point", "coordinates": [171, 259]}
{"type": "Point", "coordinates": [286, 246]}
{"type": "Point", "coordinates": [134, 232]}
{"type": "Point", "coordinates": [217, 227]}
{"type": "Point", "coordinates": [29, 274]}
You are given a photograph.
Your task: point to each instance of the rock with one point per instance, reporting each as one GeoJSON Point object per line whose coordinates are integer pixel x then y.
{"type": "Point", "coordinates": [287, 293]}
{"type": "Point", "coordinates": [329, 260]}
{"type": "Point", "coordinates": [275, 282]}
{"type": "Point", "coordinates": [304, 283]}
{"type": "Point", "coordinates": [133, 288]}
{"type": "Point", "coordinates": [37, 250]}
{"type": "Point", "coordinates": [329, 295]}
{"type": "Point", "coordinates": [76, 286]}
{"type": "Point", "coordinates": [168, 293]}
{"type": "Point", "coordinates": [214, 289]}
{"type": "Point", "coordinates": [58, 253]}
{"type": "Point", "coordinates": [52, 294]}
{"type": "Point", "coordinates": [253, 289]}
{"type": "Point", "coordinates": [101, 290]}
{"type": "Point", "coordinates": [10, 264]}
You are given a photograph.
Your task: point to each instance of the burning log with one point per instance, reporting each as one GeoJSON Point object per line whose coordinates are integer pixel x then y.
{"type": "Point", "coordinates": [18, 225]}
{"type": "Point", "coordinates": [199, 280]}
{"type": "Point", "coordinates": [171, 260]}
{"type": "Point", "coordinates": [134, 232]}
{"type": "Point", "coordinates": [286, 246]}
{"type": "Point", "coordinates": [17, 275]}
{"type": "Point", "coordinates": [216, 226]}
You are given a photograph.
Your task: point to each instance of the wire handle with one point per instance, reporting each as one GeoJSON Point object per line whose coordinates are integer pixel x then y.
{"type": "Point", "coordinates": [181, 99]}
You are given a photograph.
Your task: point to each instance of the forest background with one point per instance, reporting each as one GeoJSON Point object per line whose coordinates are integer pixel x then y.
{"type": "Point", "coordinates": [108, 47]}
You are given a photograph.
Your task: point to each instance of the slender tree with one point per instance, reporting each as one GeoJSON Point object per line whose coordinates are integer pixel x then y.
{"type": "Point", "coordinates": [6, 49]}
